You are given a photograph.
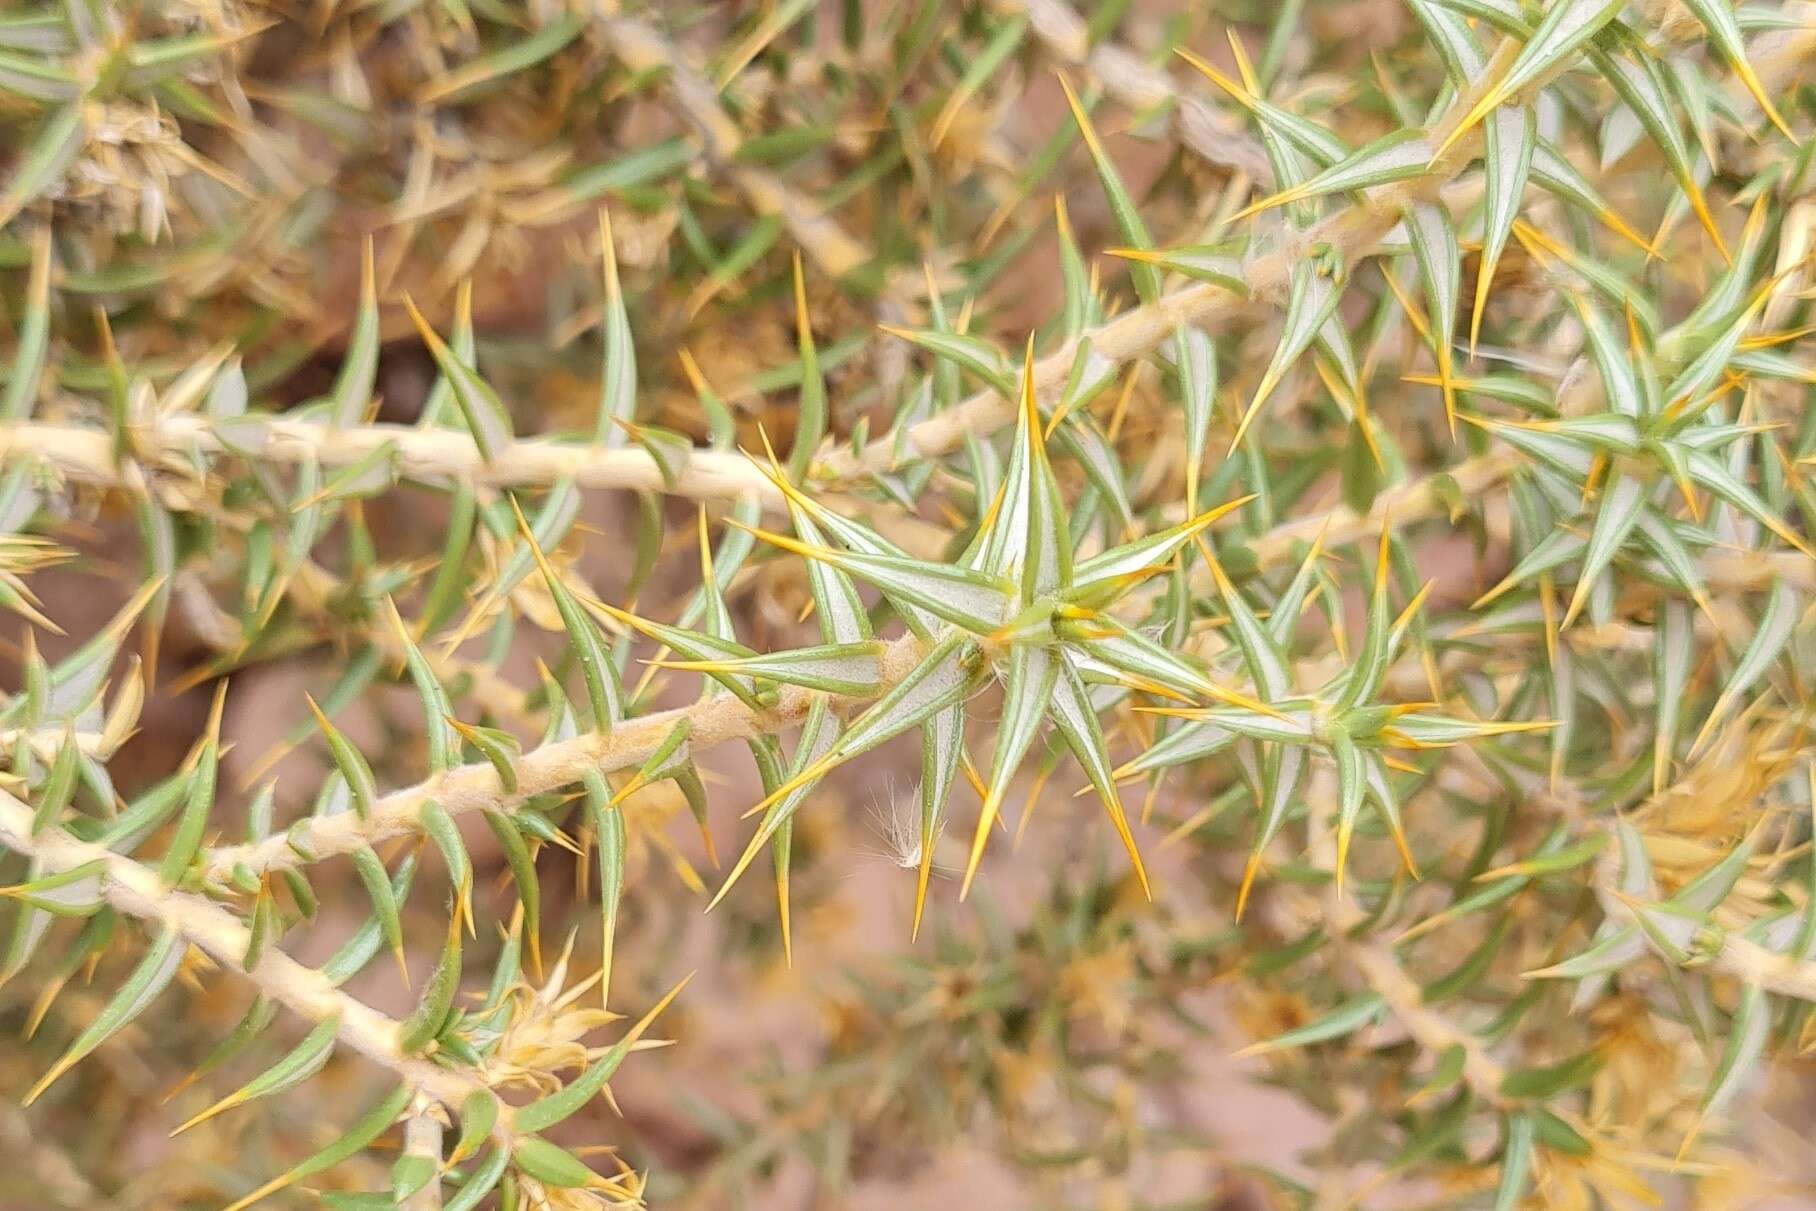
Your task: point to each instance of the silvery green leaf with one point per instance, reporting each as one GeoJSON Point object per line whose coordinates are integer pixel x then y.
{"type": "Point", "coordinates": [1195, 361]}
{"type": "Point", "coordinates": [1347, 1018]}
{"type": "Point", "coordinates": [1027, 691]}
{"type": "Point", "coordinates": [1370, 663]}
{"type": "Point", "coordinates": [810, 401]}
{"type": "Point", "coordinates": [1103, 577]}
{"type": "Point", "coordinates": [1558, 176]}
{"type": "Point", "coordinates": [1770, 634]}
{"type": "Point", "coordinates": [1724, 31]}
{"type": "Point", "coordinates": [1450, 36]}
{"type": "Point", "coordinates": [1623, 500]}
{"type": "Point", "coordinates": [1311, 300]}
{"type": "Point", "coordinates": [1213, 263]}
{"type": "Point", "coordinates": [1516, 1161]}
{"type": "Point", "coordinates": [1281, 768]}
{"type": "Point", "coordinates": [1397, 156]}
{"type": "Point", "coordinates": [1193, 742]}
{"type": "Point", "coordinates": [1748, 1030]}
{"type": "Point", "coordinates": [852, 669]}
{"type": "Point", "coordinates": [1565, 27]}
{"type": "Point", "coordinates": [1509, 135]}
{"type": "Point", "coordinates": [618, 356]}
{"type": "Point", "coordinates": [1261, 651]}
{"type": "Point", "coordinates": [978, 602]}
{"type": "Point", "coordinates": [52, 150]}
{"type": "Point", "coordinates": [1559, 451]}
{"type": "Point", "coordinates": [354, 1140]}
{"type": "Point", "coordinates": [377, 882]}
{"type": "Point", "coordinates": [1434, 245]}
{"type": "Point", "coordinates": [302, 1062]}
{"type": "Point", "coordinates": [1122, 207]}
{"type": "Point", "coordinates": [75, 892]}
{"type": "Point", "coordinates": [1632, 72]}
{"type": "Point", "coordinates": [1674, 656]}
{"type": "Point", "coordinates": [1076, 721]}
{"type": "Point", "coordinates": [942, 751]}
{"type": "Point", "coordinates": [972, 353]}
{"type": "Point", "coordinates": [1291, 141]}
{"type": "Point", "coordinates": [364, 942]}
{"type": "Point", "coordinates": [1708, 472]}
{"type": "Point", "coordinates": [153, 974]}
{"type": "Point", "coordinates": [488, 422]}
{"type": "Point", "coordinates": [1082, 441]}
{"type": "Point", "coordinates": [353, 385]}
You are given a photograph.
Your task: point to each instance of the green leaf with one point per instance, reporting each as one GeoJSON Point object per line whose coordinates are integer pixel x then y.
{"type": "Point", "coordinates": [1516, 1161]}
{"type": "Point", "coordinates": [431, 1013]}
{"type": "Point", "coordinates": [370, 1126]}
{"type": "Point", "coordinates": [377, 882]}
{"type": "Point", "coordinates": [353, 385]}
{"type": "Point", "coordinates": [52, 150]}
{"type": "Point", "coordinates": [148, 979]}
{"type": "Point", "coordinates": [349, 761]}
{"type": "Point", "coordinates": [1347, 1018]}
{"type": "Point", "coordinates": [1552, 1079]}
{"type": "Point", "coordinates": [302, 1062]}
{"type": "Point", "coordinates": [1122, 207]}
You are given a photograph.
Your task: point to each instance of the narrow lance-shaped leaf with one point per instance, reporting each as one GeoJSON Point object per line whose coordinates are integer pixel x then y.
{"type": "Point", "coordinates": [942, 752]}
{"type": "Point", "coordinates": [186, 841]}
{"type": "Point", "coordinates": [523, 874]}
{"type": "Point", "coordinates": [1076, 720]}
{"type": "Point", "coordinates": [377, 882]}
{"type": "Point", "coordinates": [1397, 156]}
{"type": "Point", "coordinates": [1621, 506]}
{"type": "Point", "coordinates": [596, 668]}
{"type": "Point", "coordinates": [440, 828]}
{"type": "Point", "coordinates": [369, 1127]}
{"type": "Point", "coordinates": [618, 361]}
{"type": "Point", "coordinates": [302, 1062]}
{"type": "Point", "coordinates": [810, 407]}
{"type": "Point", "coordinates": [487, 419]}
{"type": "Point", "coordinates": [53, 149]}
{"type": "Point", "coordinates": [349, 761]}
{"type": "Point", "coordinates": [1122, 206]}
{"type": "Point", "coordinates": [609, 835]}
{"type": "Point", "coordinates": [1509, 137]}
{"type": "Point", "coordinates": [1311, 300]}
{"type": "Point", "coordinates": [1026, 693]}
{"type": "Point", "coordinates": [1434, 245]}
{"type": "Point", "coordinates": [1516, 1161]}
{"type": "Point", "coordinates": [1347, 1018]}
{"type": "Point", "coordinates": [1567, 25]}
{"type": "Point", "coordinates": [975, 601]}
{"type": "Point", "coordinates": [431, 1013]}
{"type": "Point", "coordinates": [1632, 72]}
{"type": "Point", "coordinates": [353, 385]}
{"type": "Point", "coordinates": [27, 369]}
{"type": "Point", "coordinates": [148, 979]}
{"type": "Point", "coordinates": [1770, 634]}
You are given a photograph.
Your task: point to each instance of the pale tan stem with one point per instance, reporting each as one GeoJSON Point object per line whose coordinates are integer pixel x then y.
{"type": "Point", "coordinates": [422, 1139]}
{"type": "Point", "coordinates": [476, 787]}
{"type": "Point", "coordinates": [135, 891]}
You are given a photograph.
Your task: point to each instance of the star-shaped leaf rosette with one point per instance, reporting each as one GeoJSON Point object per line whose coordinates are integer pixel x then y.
{"type": "Point", "coordinates": [1022, 609]}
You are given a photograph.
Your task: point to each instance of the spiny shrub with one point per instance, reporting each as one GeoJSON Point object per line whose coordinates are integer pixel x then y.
{"type": "Point", "coordinates": [1366, 455]}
